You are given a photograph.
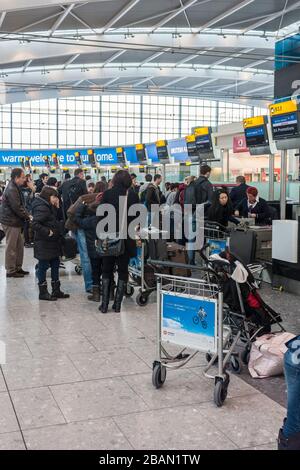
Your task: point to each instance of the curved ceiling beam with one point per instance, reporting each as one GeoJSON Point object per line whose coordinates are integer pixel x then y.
{"type": "Point", "coordinates": [100, 72]}
{"type": "Point", "coordinates": [14, 5]}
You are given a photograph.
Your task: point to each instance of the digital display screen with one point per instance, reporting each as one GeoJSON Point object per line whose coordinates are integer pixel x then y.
{"type": "Point", "coordinates": [141, 155]}
{"type": "Point", "coordinates": [163, 153]}
{"type": "Point", "coordinates": [285, 125]}
{"type": "Point", "coordinates": [256, 136]}
{"type": "Point", "coordinates": [203, 143]}
{"type": "Point", "coordinates": [192, 149]}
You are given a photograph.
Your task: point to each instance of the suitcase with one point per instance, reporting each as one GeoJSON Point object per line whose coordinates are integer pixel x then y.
{"type": "Point", "coordinates": [242, 244]}
{"type": "Point", "coordinates": [178, 254]}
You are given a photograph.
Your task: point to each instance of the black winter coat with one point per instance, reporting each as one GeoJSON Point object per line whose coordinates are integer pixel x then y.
{"type": "Point", "coordinates": [12, 211]}
{"type": "Point", "coordinates": [44, 220]}
{"type": "Point", "coordinates": [65, 191]}
{"type": "Point", "coordinates": [111, 196]}
{"type": "Point", "coordinates": [238, 193]}
{"type": "Point", "coordinates": [87, 221]}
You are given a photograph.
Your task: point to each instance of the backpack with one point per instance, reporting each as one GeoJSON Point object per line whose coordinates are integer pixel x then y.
{"type": "Point", "coordinates": [74, 192]}
{"type": "Point", "coordinates": [200, 192]}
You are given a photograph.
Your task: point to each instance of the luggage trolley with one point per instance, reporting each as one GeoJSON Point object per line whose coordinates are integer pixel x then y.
{"type": "Point", "coordinates": [190, 315]}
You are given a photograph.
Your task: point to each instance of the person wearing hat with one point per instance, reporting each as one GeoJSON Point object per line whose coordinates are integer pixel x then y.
{"type": "Point", "coordinates": [254, 207]}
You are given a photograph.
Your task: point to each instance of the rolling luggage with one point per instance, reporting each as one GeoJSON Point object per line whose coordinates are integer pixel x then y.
{"type": "Point", "coordinates": [243, 245]}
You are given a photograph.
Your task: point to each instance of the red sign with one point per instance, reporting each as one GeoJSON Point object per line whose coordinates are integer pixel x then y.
{"type": "Point", "coordinates": [239, 144]}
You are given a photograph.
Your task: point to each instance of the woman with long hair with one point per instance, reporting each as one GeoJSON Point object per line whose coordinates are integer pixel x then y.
{"type": "Point", "coordinates": [121, 184]}
{"type": "Point", "coordinates": [221, 210]}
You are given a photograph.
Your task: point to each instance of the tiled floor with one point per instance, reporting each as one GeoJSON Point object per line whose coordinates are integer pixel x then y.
{"type": "Point", "coordinates": [77, 379]}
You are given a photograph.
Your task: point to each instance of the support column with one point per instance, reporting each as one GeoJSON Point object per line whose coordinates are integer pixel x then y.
{"type": "Point", "coordinates": [283, 175]}
{"type": "Point", "coordinates": [271, 177]}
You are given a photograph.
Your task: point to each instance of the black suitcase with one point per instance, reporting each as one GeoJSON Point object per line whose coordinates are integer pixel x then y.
{"type": "Point", "coordinates": [243, 245]}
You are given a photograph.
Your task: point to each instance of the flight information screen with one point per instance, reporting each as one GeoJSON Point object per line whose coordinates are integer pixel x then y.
{"type": "Point", "coordinates": [256, 136]}
{"type": "Point", "coordinates": [285, 125]}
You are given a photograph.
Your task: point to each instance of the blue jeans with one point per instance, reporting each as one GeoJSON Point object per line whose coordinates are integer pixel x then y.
{"type": "Point", "coordinates": [292, 376]}
{"type": "Point", "coordinates": [44, 265]}
{"type": "Point", "coordinates": [84, 259]}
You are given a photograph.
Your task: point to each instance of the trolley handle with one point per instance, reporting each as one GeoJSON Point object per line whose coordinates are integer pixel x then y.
{"type": "Point", "coordinates": [170, 264]}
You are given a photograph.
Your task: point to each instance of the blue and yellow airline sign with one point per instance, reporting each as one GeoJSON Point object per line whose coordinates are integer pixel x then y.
{"type": "Point", "coordinates": [141, 153]}
{"type": "Point", "coordinates": [191, 146]}
{"type": "Point", "coordinates": [47, 161]}
{"type": "Point", "coordinates": [203, 139]}
{"type": "Point", "coordinates": [162, 151]}
{"type": "Point", "coordinates": [121, 156]}
{"type": "Point", "coordinates": [255, 131]}
{"type": "Point", "coordinates": [285, 119]}
{"type": "Point", "coordinates": [78, 158]}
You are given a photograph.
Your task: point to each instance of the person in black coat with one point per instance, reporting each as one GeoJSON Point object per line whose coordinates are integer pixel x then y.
{"type": "Point", "coordinates": [72, 189]}
{"type": "Point", "coordinates": [121, 184]}
{"type": "Point", "coordinates": [254, 207]}
{"type": "Point", "coordinates": [221, 210]}
{"type": "Point", "coordinates": [48, 238]}
{"type": "Point", "coordinates": [239, 192]}
{"type": "Point", "coordinates": [86, 219]}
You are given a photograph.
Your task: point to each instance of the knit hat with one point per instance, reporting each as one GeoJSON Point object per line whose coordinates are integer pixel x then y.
{"type": "Point", "coordinates": [252, 190]}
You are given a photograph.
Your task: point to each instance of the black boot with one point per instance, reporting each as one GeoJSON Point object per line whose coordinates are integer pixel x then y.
{"type": "Point", "coordinates": [56, 292]}
{"type": "Point", "coordinates": [105, 295]}
{"type": "Point", "coordinates": [44, 294]}
{"type": "Point", "coordinates": [119, 295]}
{"type": "Point", "coordinates": [288, 443]}
{"type": "Point", "coordinates": [95, 297]}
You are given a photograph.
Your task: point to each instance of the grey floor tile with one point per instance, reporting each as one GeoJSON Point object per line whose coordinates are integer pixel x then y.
{"type": "Point", "coordinates": [100, 434]}
{"type": "Point", "coordinates": [249, 420]}
{"type": "Point", "coordinates": [115, 336]}
{"type": "Point", "coordinates": [8, 421]}
{"type": "Point", "coordinates": [2, 383]}
{"type": "Point", "coordinates": [270, 446]}
{"type": "Point", "coordinates": [160, 429]}
{"type": "Point", "coordinates": [182, 387]}
{"type": "Point", "coordinates": [16, 329]}
{"type": "Point", "coordinates": [11, 441]}
{"type": "Point", "coordinates": [40, 372]}
{"type": "Point", "coordinates": [113, 363]}
{"type": "Point", "coordinates": [96, 399]}
{"type": "Point", "coordinates": [36, 407]}
{"type": "Point", "coordinates": [16, 350]}
{"type": "Point", "coordinates": [59, 344]}
{"type": "Point", "coordinates": [73, 324]}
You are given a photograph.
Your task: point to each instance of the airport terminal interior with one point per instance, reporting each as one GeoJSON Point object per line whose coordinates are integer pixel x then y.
{"type": "Point", "coordinates": [182, 337]}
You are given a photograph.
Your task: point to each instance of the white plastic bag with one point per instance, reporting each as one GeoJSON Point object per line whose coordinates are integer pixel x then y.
{"type": "Point", "coordinates": [266, 356]}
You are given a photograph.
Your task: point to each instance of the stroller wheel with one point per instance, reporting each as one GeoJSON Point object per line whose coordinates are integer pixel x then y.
{"type": "Point", "coordinates": [142, 299]}
{"type": "Point", "coordinates": [245, 356]}
{"type": "Point", "coordinates": [236, 365]}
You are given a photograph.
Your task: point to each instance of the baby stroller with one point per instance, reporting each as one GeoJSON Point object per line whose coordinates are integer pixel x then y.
{"type": "Point", "coordinates": [244, 308]}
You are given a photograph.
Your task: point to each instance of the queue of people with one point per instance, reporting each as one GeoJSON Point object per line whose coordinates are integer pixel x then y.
{"type": "Point", "coordinates": [43, 212]}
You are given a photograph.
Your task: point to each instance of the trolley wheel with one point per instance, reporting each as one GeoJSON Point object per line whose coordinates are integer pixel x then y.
{"type": "Point", "coordinates": [142, 299]}
{"type": "Point", "coordinates": [245, 356]}
{"type": "Point", "coordinates": [220, 390]}
{"type": "Point", "coordinates": [158, 375]}
{"type": "Point", "coordinates": [196, 319]}
{"type": "Point", "coordinates": [236, 365]}
{"type": "Point", "coordinates": [78, 270]}
{"type": "Point", "coordinates": [129, 291]}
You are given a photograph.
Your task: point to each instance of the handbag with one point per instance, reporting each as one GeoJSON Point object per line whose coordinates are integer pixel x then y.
{"type": "Point", "coordinates": [112, 246]}
{"type": "Point", "coordinates": [69, 247]}
{"type": "Point", "coordinates": [266, 356]}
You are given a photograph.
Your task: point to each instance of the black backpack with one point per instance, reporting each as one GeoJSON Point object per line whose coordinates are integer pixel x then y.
{"type": "Point", "coordinates": [74, 192]}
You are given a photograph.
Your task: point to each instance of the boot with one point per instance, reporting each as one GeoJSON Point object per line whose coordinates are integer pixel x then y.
{"type": "Point", "coordinates": [105, 295]}
{"type": "Point", "coordinates": [44, 294]}
{"type": "Point", "coordinates": [56, 292]}
{"type": "Point", "coordinates": [288, 443]}
{"type": "Point", "coordinates": [119, 295]}
{"type": "Point", "coordinates": [95, 297]}
{"type": "Point", "coordinates": [112, 290]}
